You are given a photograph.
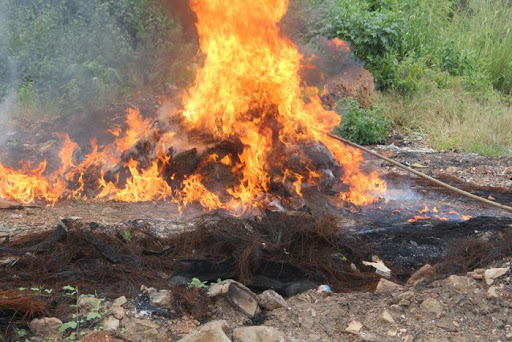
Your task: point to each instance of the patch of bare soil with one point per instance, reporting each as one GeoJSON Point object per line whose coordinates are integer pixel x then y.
{"type": "Point", "coordinates": [452, 309]}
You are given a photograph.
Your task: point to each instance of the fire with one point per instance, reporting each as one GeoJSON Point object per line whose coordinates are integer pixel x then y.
{"type": "Point", "coordinates": [337, 45]}
{"type": "Point", "coordinates": [250, 88]}
{"type": "Point", "coordinates": [248, 91]}
{"type": "Point", "coordinates": [434, 214]}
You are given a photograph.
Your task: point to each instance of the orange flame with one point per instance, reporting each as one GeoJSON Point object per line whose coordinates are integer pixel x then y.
{"type": "Point", "coordinates": [248, 90]}
{"type": "Point", "coordinates": [435, 214]}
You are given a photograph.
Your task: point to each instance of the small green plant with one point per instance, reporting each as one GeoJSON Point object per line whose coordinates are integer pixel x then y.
{"type": "Point", "coordinates": [127, 235]}
{"type": "Point", "coordinates": [196, 282]}
{"type": "Point", "coordinates": [362, 125]}
{"type": "Point", "coordinates": [96, 313]}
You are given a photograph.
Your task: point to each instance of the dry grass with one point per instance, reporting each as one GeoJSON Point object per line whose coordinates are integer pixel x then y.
{"type": "Point", "coordinates": [453, 118]}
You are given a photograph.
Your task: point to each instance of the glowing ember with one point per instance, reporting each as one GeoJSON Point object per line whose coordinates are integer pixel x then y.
{"type": "Point", "coordinates": [435, 214]}
{"type": "Point", "coordinates": [248, 92]}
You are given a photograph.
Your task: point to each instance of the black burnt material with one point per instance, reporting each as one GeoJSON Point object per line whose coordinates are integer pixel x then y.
{"type": "Point", "coordinates": [286, 252]}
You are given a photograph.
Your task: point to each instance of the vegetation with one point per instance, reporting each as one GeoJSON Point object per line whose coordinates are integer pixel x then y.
{"type": "Point", "coordinates": [362, 125]}
{"type": "Point", "coordinates": [66, 55]}
{"type": "Point", "coordinates": [444, 66]}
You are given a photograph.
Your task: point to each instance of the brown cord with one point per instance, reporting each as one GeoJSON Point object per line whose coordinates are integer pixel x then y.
{"type": "Point", "coordinates": [422, 175]}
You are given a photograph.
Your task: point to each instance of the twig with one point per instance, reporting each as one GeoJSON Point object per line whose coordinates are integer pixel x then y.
{"type": "Point", "coordinates": [422, 175]}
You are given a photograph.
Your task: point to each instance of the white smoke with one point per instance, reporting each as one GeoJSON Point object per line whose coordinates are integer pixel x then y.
{"type": "Point", "coordinates": [8, 100]}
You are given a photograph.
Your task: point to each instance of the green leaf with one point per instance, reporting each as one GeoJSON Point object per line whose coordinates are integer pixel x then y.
{"type": "Point", "coordinates": [68, 325]}
{"type": "Point", "coordinates": [93, 315]}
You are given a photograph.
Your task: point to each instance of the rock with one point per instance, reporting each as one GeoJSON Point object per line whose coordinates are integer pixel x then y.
{"type": "Point", "coordinates": [446, 323]}
{"type": "Point", "coordinates": [409, 338]}
{"type": "Point", "coordinates": [492, 293]}
{"type": "Point", "coordinates": [111, 323]}
{"type": "Point", "coordinates": [386, 316]}
{"type": "Point", "coordinates": [158, 297]}
{"type": "Point", "coordinates": [141, 330]}
{"type": "Point", "coordinates": [477, 273]}
{"type": "Point", "coordinates": [238, 295]}
{"type": "Point", "coordinates": [271, 300]}
{"type": "Point", "coordinates": [292, 289]}
{"type": "Point", "coordinates": [423, 274]}
{"type": "Point", "coordinates": [120, 301]}
{"type": "Point", "coordinates": [385, 286]}
{"type": "Point", "coordinates": [89, 303]}
{"type": "Point", "coordinates": [392, 332]}
{"type": "Point", "coordinates": [354, 327]}
{"type": "Point", "coordinates": [117, 311]}
{"type": "Point", "coordinates": [494, 273]}
{"type": "Point", "coordinates": [461, 284]}
{"type": "Point", "coordinates": [256, 334]}
{"type": "Point", "coordinates": [47, 327]}
{"type": "Point", "coordinates": [431, 305]}
{"type": "Point", "coordinates": [214, 331]}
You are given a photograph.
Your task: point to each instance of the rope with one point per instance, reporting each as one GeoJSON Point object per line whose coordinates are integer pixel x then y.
{"type": "Point", "coordinates": [422, 175]}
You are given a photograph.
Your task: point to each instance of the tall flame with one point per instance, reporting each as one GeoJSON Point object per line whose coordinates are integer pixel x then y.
{"type": "Point", "coordinates": [250, 88]}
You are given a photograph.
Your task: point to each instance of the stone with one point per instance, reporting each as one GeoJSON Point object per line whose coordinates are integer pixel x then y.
{"type": "Point", "coordinates": [120, 301]}
{"type": "Point", "coordinates": [141, 330]}
{"type": "Point", "coordinates": [47, 327]}
{"type": "Point", "coordinates": [477, 273]}
{"type": "Point", "coordinates": [256, 334]}
{"type": "Point", "coordinates": [214, 331]}
{"type": "Point", "coordinates": [158, 297]}
{"type": "Point", "coordinates": [431, 305]}
{"type": "Point", "coordinates": [409, 338]}
{"type": "Point", "coordinates": [354, 327]}
{"type": "Point", "coordinates": [446, 323]}
{"type": "Point", "coordinates": [494, 273]}
{"type": "Point", "coordinates": [296, 287]}
{"type": "Point", "coordinates": [238, 295]}
{"type": "Point", "coordinates": [423, 274]}
{"type": "Point", "coordinates": [392, 332]}
{"type": "Point", "coordinates": [111, 323]}
{"type": "Point", "coordinates": [492, 293]}
{"type": "Point", "coordinates": [386, 316]}
{"type": "Point", "coordinates": [461, 284]}
{"type": "Point", "coordinates": [161, 298]}
{"type": "Point", "coordinates": [89, 303]}
{"type": "Point", "coordinates": [117, 311]}
{"type": "Point", "coordinates": [271, 300]}
{"type": "Point", "coordinates": [385, 286]}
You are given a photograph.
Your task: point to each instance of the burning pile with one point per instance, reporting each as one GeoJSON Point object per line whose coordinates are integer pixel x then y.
{"type": "Point", "coordinates": [251, 119]}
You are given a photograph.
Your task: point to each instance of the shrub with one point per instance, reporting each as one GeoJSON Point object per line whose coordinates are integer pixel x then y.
{"type": "Point", "coordinates": [362, 125]}
{"type": "Point", "coordinates": [81, 54]}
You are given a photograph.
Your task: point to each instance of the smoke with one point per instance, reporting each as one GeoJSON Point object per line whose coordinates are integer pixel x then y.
{"type": "Point", "coordinates": [8, 76]}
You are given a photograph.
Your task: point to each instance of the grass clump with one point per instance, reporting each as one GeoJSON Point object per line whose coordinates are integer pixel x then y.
{"type": "Point", "coordinates": [453, 118]}
{"type": "Point", "coordinates": [364, 126]}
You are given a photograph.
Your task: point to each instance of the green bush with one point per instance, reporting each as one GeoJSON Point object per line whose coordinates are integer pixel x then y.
{"type": "Point", "coordinates": [362, 125]}
{"type": "Point", "coordinates": [82, 54]}
{"type": "Point", "coordinates": [461, 38]}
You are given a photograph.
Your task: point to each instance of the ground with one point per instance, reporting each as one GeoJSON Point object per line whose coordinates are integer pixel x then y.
{"type": "Point", "coordinates": [441, 309]}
